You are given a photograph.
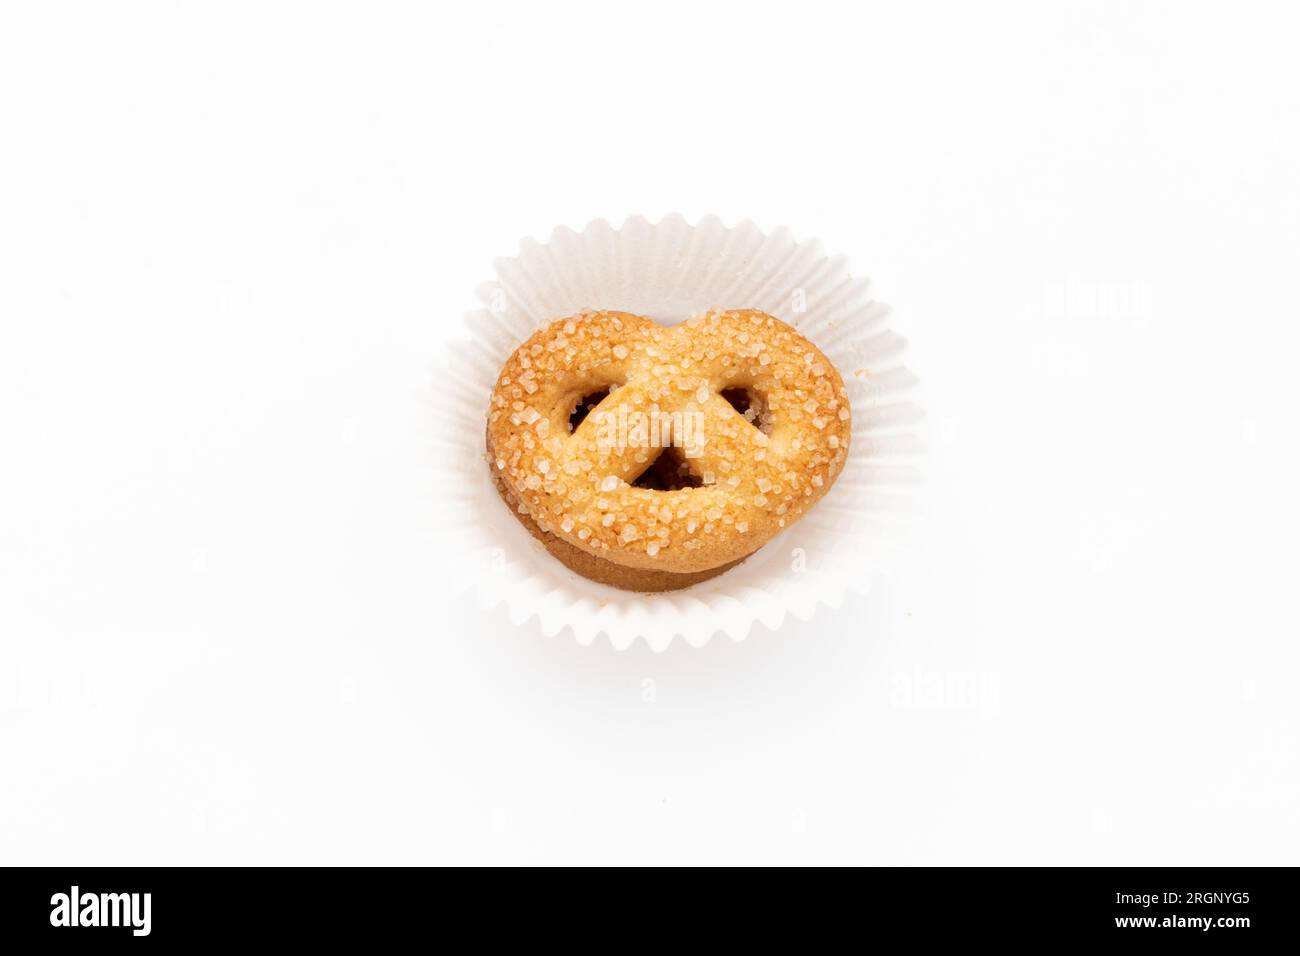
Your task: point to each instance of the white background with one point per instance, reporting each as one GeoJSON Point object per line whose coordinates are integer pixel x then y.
{"type": "Point", "coordinates": [233, 241]}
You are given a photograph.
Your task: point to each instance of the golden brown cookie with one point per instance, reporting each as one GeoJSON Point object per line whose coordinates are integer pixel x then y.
{"type": "Point", "coordinates": [665, 450]}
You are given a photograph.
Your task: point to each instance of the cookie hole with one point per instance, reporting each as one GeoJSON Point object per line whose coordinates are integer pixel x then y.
{"type": "Point", "coordinates": [584, 406]}
{"type": "Point", "coordinates": [670, 471]}
{"type": "Point", "coordinates": [751, 407]}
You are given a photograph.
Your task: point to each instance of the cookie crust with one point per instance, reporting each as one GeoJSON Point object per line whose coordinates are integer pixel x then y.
{"type": "Point", "coordinates": [754, 473]}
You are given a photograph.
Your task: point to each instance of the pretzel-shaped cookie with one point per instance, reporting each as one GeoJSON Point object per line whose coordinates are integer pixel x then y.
{"type": "Point", "coordinates": [713, 436]}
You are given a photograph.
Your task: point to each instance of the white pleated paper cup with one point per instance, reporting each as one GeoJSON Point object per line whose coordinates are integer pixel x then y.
{"type": "Point", "coordinates": [669, 271]}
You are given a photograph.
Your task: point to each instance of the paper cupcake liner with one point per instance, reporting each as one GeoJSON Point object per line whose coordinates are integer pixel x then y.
{"type": "Point", "coordinates": [669, 271]}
